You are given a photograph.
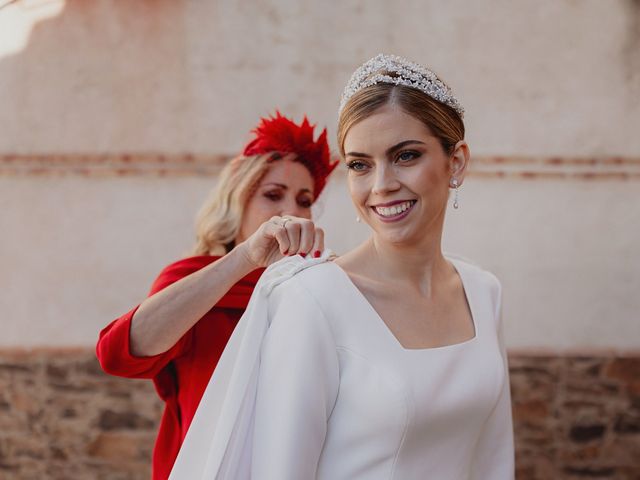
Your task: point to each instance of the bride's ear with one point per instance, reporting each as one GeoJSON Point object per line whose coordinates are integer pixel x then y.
{"type": "Point", "coordinates": [459, 160]}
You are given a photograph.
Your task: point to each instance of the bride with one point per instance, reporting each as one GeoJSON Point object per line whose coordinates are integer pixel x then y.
{"type": "Point", "coordinates": [385, 363]}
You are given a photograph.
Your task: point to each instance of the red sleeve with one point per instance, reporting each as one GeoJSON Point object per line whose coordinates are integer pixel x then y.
{"type": "Point", "coordinates": [113, 348]}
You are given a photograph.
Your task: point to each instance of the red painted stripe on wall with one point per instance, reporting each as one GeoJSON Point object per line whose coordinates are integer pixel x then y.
{"type": "Point", "coordinates": [152, 164]}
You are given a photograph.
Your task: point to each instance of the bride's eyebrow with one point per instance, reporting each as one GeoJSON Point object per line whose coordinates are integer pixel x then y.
{"type": "Point", "coordinates": [389, 151]}
{"type": "Point", "coordinates": [357, 154]}
{"type": "Point", "coordinates": [403, 144]}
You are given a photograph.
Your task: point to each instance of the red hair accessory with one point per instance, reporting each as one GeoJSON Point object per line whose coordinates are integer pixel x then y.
{"type": "Point", "coordinates": [279, 134]}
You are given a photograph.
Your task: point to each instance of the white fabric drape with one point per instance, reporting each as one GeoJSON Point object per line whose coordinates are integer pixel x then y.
{"type": "Point", "coordinates": [218, 443]}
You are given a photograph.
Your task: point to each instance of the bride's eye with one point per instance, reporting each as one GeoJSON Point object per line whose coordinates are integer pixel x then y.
{"type": "Point", "coordinates": [356, 165]}
{"type": "Point", "coordinates": [407, 155]}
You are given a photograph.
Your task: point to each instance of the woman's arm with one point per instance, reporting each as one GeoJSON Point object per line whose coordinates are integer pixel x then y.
{"type": "Point", "coordinates": [162, 319]}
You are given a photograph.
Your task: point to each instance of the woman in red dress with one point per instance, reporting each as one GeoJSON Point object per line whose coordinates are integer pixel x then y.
{"type": "Point", "coordinates": [260, 211]}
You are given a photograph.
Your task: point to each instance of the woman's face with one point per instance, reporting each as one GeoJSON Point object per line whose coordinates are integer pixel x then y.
{"type": "Point", "coordinates": [399, 175]}
{"type": "Point", "coordinates": [286, 189]}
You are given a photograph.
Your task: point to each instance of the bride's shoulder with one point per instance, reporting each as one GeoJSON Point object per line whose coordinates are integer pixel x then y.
{"type": "Point", "coordinates": [298, 270]}
{"type": "Point", "coordinates": [476, 272]}
{"type": "Point", "coordinates": [298, 292]}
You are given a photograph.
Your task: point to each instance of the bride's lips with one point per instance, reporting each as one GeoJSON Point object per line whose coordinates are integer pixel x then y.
{"type": "Point", "coordinates": [393, 211]}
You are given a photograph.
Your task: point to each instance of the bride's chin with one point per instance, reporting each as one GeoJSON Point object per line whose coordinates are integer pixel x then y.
{"type": "Point", "coordinates": [394, 238]}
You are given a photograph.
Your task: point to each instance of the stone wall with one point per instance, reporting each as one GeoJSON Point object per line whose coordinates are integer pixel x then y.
{"type": "Point", "coordinates": [576, 417]}
{"type": "Point", "coordinates": [61, 417]}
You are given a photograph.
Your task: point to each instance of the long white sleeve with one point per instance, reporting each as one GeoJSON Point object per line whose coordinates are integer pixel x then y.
{"type": "Point", "coordinates": [219, 441]}
{"type": "Point", "coordinates": [493, 456]}
{"type": "Point", "coordinates": [297, 387]}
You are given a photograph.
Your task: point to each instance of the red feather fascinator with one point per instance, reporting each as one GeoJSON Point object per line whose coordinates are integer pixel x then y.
{"type": "Point", "coordinates": [279, 134]}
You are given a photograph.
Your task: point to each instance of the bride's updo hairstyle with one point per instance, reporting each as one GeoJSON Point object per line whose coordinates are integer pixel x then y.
{"type": "Point", "coordinates": [390, 80]}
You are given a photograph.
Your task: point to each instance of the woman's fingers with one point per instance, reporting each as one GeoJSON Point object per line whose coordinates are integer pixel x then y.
{"type": "Point", "coordinates": [281, 235]}
{"type": "Point", "coordinates": [307, 234]}
{"type": "Point", "coordinates": [318, 243]}
{"type": "Point", "coordinates": [293, 229]}
{"type": "Point", "coordinates": [289, 235]}
{"type": "Point", "coordinates": [297, 235]}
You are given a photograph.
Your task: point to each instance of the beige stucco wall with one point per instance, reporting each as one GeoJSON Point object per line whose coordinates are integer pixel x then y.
{"type": "Point", "coordinates": [546, 77]}
{"type": "Point", "coordinates": [540, 79]}
{"type": "Point", "coordinates": [79, 252]}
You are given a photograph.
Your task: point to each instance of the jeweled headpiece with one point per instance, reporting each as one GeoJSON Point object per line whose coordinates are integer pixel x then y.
{"type": "Point", "coordinates": [399, 71]}
{"type": "Point", "coordinates": [279, 134]}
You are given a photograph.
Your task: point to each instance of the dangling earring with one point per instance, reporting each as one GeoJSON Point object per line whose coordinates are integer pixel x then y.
{"type": "Point", "coordinates": [456, 185]}
{"type": "Point", "coordinates": [358, 219]}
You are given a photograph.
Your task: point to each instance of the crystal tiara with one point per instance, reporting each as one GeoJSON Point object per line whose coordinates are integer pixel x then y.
{"type": "Point", "coordinates": [409, 74]}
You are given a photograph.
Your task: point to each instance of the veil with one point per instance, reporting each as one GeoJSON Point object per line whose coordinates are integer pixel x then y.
{"type": "Point", "coordinates": [219, 441]}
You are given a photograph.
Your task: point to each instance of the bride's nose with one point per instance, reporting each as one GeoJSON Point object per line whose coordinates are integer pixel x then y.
{"type": "Point", "coordinates": [385, 180]}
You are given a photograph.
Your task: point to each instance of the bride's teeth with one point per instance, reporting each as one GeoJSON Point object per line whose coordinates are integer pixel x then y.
{"type": "Point", "coordinates": [394, 210]}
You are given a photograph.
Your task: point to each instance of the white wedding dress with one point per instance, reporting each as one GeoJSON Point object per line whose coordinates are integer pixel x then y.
{"type": "Point", "coordinates": [313, 385]}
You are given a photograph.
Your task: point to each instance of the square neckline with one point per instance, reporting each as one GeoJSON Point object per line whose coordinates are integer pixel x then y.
{"type": "Point", "coordinates": [394, 339]}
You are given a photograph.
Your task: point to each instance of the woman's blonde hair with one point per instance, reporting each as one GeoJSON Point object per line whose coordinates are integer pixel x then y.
{"type": "Point", "coordinates": [218, 221]}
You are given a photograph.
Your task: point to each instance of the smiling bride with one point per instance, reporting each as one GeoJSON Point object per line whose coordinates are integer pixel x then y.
{"type": "Point", "coordinates": [387, 362]}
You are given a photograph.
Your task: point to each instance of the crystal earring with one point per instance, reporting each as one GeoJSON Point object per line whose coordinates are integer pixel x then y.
{"type": "Point", "coordinates": [455, 185]}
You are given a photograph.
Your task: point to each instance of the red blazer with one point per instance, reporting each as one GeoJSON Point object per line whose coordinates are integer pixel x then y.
{"type": "Point", "coordinates": [182, 373]}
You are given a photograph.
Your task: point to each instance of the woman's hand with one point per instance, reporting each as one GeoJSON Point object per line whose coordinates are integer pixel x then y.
{"type": "Point", "coordinates": [282, 236]}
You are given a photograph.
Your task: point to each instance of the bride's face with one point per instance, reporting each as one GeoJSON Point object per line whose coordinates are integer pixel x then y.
{"type": "Point", "coordinates": [399, 175]}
